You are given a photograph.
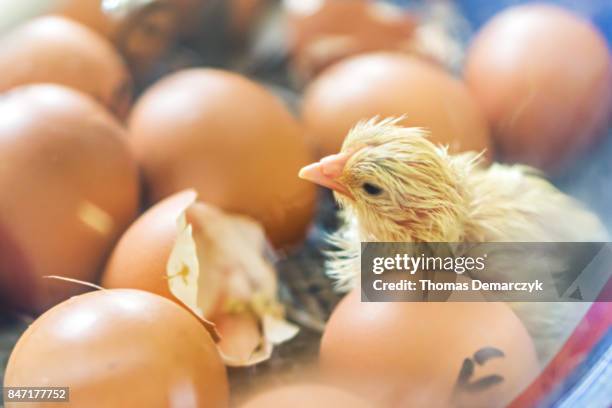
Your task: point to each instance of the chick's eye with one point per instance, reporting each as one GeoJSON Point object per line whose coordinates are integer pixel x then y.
{"type": "Point", "coordinates": [371, 189]}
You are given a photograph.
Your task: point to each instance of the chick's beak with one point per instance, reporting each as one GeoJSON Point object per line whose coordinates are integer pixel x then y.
{"type": "Point", "coordinates": [326, 173]}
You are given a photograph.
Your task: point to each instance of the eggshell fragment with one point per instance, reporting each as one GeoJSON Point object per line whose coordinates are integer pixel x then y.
{"type": "Point", "coordinates": [230, 140]}
{"type": "Point", "coordinates": [392, 85]}
{"type": "Point", "coordinates": [57, 50]}
{"type": "Point", "coordinates": [213, 264]}
{"type": "Point", "coordinates": [306, 396]}
{"type": "Point", "coordinates": [120, 348]}
{"type": "Point", "coordinates": [68, 188]}
{"type": "Point", "coordinates": [544, 79]}
{"type": "Point", "coordinates": [428, 354]}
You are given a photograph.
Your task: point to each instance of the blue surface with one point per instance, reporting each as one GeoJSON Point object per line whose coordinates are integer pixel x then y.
{"type": "Point", "coordinates": [591, 384]}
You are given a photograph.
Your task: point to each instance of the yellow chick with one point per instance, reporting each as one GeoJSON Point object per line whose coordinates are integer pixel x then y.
{"type": "Point", "coordinates": [393, 184]}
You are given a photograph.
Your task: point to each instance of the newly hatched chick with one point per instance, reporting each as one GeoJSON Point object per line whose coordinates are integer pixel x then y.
{"type": "Point", "coordinates": [393, 184]}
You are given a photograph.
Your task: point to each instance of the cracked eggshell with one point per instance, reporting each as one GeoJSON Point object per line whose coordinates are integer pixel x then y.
{"type": "Point", "coordinates": [415, 352]}
{"type": "Point", "coordinates": [544, 79]}
{"type": "Point", "coordinates": [232, 141]}
{"type": "Point", "coordinates": [211, 263]}
{"type": "Point", "coordinates": [125, 348]}
{"type": "Point", "coordinates": [323, 32]}
{"type": "Point", "coordinates": [158, 254]}
{"type": "Point", "coordinates": [68, 188]}
{"type": "Point", "coordinates": [392, 84]}
{"type": "Point", "coordinates": [57, 50]}
{"type": "Point", "coordinates": [306, 396]}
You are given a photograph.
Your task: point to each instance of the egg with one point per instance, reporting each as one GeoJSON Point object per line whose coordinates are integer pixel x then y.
{"type": "Point", "coordinates": [543, 77]}
{"type": "Point", "coordinates": [391, 84]}
{"type": "Point", "coordinates": [141, 30]}
{"type": "Point", "coordinates": [214, 265]}
{"type": "Point", "coordinates": [120, 348]}
{"type": "Point", "coordinates": [140, 258]}
{"type": "Point", "coordinates": [230, 140]}
{"type": "Point", "coordinates": [57, 50]}
{"type": "Point", "coordinates": [68, 188]}
{"type": "Point", "coordinates": [434, 354]}
{"type": "Point", "coordinates": [322, 32]}
{"type": "Point", "coordinates": [306, 396]}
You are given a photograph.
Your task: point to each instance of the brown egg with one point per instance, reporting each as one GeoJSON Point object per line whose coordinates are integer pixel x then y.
{"type": "Point", "coordinates": [57, 50]}
{"type": "Point", "coordinates": [232, 141]}
{"type": "Point", "coordinates": [140, 258]}
{"type": "Point", "coordinates": [428, 354]}
{"type": "Point", "coordinates": [387, 84]}
{"type": "Point", "coordinates": [141, 30]}
{"type": "Point", "coordinates": [120, 348]}
{"type": "Point", "coordinates": [544, 79]}
{"type": "Point", "coordinates": [214, 265]}
{"type": "Point", "coordinates": [68, 188]}
{"type": "Point", "coordinates": [324, 32]}
{"type": "Point", "coordinates": [306, 396]}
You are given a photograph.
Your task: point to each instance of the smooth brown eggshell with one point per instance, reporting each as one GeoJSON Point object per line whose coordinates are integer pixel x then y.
{"type": "Point", "coordinates": [410, 354]}
{"type": "Point", "coordinates": [544, 79]}
{"type": "Point", "coordinates": [391, 84]}
{"type": "Point", "coordinates": [230, 140]}
{"type": "Point", "coordinates": [324, 32]}
{"type": "Point", "coordinates": [140, 258]}
{"type": "Point", "coordinates": [306, 396]}
{"type": "Point", "coordinates": [58, 50]}
{"type": "Point", "coordinates": [68, 188]}
{"type": "Point", "coordinates": [120, 348]}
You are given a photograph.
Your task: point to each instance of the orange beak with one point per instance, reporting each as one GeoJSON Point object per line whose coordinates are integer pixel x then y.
{"type": "Point", "coordinates": [327, 172]}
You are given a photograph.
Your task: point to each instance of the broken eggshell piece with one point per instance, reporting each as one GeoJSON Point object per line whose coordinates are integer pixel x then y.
{"type": "Point", "coordinates": [215, 264]}
{"type": "Point", "coordinates": [238, 289]}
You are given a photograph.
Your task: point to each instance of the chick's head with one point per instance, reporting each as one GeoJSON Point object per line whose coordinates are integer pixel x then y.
{"type": "Point", "coordinates": [399, 185]}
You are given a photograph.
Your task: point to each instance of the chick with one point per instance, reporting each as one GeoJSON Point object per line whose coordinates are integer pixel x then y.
{"type": "Point", "coordinates": [394, 185]}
